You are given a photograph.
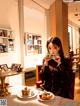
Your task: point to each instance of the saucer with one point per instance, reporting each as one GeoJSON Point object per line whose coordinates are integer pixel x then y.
{"type": "Point", "coordinates": [25, 97]}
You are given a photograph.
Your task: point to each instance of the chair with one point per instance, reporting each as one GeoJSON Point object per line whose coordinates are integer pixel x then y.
{"type": "Point", "coordinates": [79, 68]}
{"type": "Point", "coordinates": [4, 67]}
{"type": "Point", "coordinates": [75, 61]}
{"type": "Point", "coordinates": [16, 67]}
{"type": "Point", "coordinates": [77, 50]}
{"type": "Point", "coordinates": [38, 68]}
{"type": "Point", "coordinates": [38, 78]}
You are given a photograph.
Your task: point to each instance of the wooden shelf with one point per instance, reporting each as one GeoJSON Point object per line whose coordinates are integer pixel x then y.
{"type": "Point", "coordinates": [6, 40]}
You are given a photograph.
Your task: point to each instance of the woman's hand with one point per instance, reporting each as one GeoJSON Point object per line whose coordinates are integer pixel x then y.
{"type": "Point", "coordinates": [45, 60]}
{"type": "Point", "coordinates": [58, 59]}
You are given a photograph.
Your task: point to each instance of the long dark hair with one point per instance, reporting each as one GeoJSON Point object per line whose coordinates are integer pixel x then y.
{"type": "Point", "coordinates": [56, 41]}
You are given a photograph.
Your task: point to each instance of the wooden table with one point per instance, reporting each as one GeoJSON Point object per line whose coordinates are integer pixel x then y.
{"type": "Point", "coordinates": [3, 88]}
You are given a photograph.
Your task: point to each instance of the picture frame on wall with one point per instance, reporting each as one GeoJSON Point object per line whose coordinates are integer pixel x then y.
{"type": "Point", "coordinates": [33, 43]}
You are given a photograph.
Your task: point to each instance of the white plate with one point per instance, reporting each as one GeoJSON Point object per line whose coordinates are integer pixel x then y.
{"type": "Point", "coordinates": [31, 95]}
{"type": "Point", "coordinates": [49, 93]}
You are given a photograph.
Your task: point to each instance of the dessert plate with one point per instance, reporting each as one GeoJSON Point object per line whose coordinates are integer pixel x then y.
{"type": "Point", "coordinates": [45, 96]}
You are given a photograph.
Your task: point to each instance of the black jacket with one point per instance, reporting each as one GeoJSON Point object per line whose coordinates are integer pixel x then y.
{"type": "Point", "coordinates": [59, 79]}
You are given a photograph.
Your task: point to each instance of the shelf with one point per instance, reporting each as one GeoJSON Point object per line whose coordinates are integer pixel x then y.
{"type": "Point", "coordinates": [3, 37]}
{"type": "Point", "coordinates": [6, 40]}
{"type": "Point", "coordinates": [8, 29]}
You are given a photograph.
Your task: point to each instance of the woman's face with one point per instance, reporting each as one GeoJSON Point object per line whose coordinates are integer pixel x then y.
{"type": "Point", "coordinates": [53, 49]}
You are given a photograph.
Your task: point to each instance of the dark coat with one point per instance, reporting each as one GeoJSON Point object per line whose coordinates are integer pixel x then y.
{"type": "Point", "coordinates": [59, 79]}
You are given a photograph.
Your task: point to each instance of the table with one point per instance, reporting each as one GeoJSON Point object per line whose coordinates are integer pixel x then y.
{"type": "Point", "coordinates": [3, 89]}
{"type": "Point", "coordinates": [12, 100]}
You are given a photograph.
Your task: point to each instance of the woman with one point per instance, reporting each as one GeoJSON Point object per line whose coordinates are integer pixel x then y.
{"type": "Point", "coordinates": [56, 72]}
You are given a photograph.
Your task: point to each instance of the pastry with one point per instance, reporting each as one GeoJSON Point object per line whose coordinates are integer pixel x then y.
{"type": "Point", "coordinates": [25, 91]}
{"type": "Point", "coordinates": [45, 96]}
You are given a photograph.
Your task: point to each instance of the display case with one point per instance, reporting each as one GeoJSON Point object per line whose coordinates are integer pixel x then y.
{"type": "Point", "coordinates": [6, 40]}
